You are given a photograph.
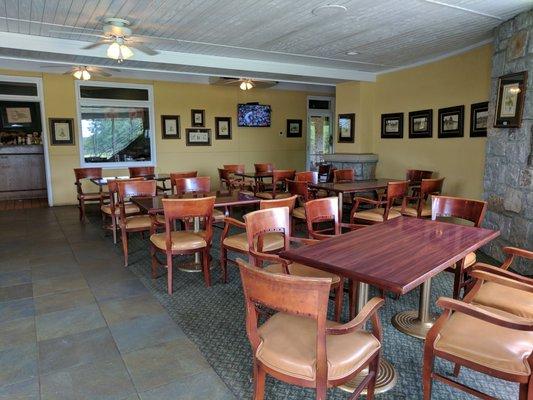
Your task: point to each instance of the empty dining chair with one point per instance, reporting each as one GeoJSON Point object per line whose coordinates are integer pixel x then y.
{"type": "Point", "coordinates": [298, 345]}
{"type": "Point", "coordinates": [263, 167]}
{"type": "Point", "coordinates": [419, 205]}
{"type": "Point", "coordinates": [382, 210]}
{"type": "Point", "coordinates": [143, 172]}
{"type": "Point", "coordinates": [306, 176]}
{"type": "Point", "coordinates": [415, 176]}
{"type": "Point", "coordinates": [343, 175]}
{"type": "Point", "coordinates": [300, 189]}
{"type": "Point", "coordinates": [279, 186]}
{"type": "Point", "coordinates": [176, 175]}
{"type": "Point", "coordinates": [199, 186]}
{"type": "Point", "coordinates": [322, 218]}
{"type": "Point", "coordinates": [84, 197]}
{"type": "Point", "coordinates": [324, 172]}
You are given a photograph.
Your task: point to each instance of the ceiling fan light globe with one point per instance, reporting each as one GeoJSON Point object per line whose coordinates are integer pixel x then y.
{"type": "Point", "coordinates": [126, 52]}
{"type": "Point", "coordinates": [113, 51]}
{"type": "Point", "coordinates": [77, 74]}
{"type": "Point", "coordinates": [243, 86]}
{"type": "Point", "coordinates": [85, 75]}
{"type": "Point", "coordinates": [249, 85]}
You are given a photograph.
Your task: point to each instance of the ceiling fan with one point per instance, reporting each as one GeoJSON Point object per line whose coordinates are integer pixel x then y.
{"type": "Point", "coordinates": [243, 83]}
{"type": "Point", "coordinates": [85, 72]}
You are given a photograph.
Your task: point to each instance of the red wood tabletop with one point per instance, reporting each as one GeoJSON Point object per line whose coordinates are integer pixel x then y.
{"type": "Point", "coordinates": [353, 187]}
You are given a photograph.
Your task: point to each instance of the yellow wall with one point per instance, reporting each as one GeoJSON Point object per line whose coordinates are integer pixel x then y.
{"type": "Point", "coordinates": [248, 145]}
{"type": "Point", "coordinates": [459, 80]}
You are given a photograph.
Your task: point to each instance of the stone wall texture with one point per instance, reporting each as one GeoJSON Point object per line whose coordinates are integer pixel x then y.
{"type": "Point", "coordinates": [508, 181]}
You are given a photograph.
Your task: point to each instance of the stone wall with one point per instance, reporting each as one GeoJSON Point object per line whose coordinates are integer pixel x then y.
{"type": "Point", "coordinates": [508, 182]}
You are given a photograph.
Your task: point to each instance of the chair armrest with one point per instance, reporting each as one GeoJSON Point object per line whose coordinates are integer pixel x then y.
{"type": "Point", "coordinates": [234, 222]}
{"type": "Point", "coordinates": [369, 309]}
{"type": "Point", "coordinates": [515, 251]}
{"type": "Point", "coordinates": [516, 323]}
{"type": "Point", "coordinates": [488, 272]}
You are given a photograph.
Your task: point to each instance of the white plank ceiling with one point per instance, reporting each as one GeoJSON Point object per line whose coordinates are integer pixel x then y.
{"type": "Point", "coordinates": [386, 34]}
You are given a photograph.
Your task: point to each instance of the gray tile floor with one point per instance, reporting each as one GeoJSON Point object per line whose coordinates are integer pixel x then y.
{"type": "Point", "coordinates": [75, 324]}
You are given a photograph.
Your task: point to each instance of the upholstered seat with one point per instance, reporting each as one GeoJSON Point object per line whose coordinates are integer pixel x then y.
{"type": "Point", "coordinates": [302, 270]}
{"type": "Point", "coordinates": [142, 221]}
{"type": "Point", "coordinates": [413, 212]}
{"type": "Point", "coordinates": [288, 345]}
{"type": "Point", "coordinates": [268, 195]}
{"type": "Point", "coordinates": [486, 344]}
{"type": "Point", "coordinates": [218, 215]}
{"type": "Point", "coordinates": [375, 214]}
{"type": "Point", "coordinates": [93, 196]}
{"type": "Point", "coordinates": [129, 208]}
{"type": "Point", "coordinates": [505, 298]}
{"type": "Point", "coordinates": [299, 213]}
{"type": "Point", "coordinates": [470, 260]}
{"type": "Point", "coordinates": [271, 242]}
{"type": "Point", "coordinates": [181, 240]}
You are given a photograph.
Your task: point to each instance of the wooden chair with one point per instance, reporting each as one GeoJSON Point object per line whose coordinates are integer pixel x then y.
{"type": "Point", "coordinates": [299, 189]}
{"type": "Point", "coordinates": [324, 172]}
{"type": "Point", "coordinates": [279, 186]}
{"type": "Point", "coordinates": [176, 175]}
{"type": "Point", "coordinates": [298, 345]}
{"type": "Point", "coordinates": [173, 242]}
{"type": "Point", "coordinates": [230, 183]}
{"type": "Point", "coordinates": [239, 242]}
{"type": "Point", "coordinates": [306, 176]}
{"type": "Point", "coordinates": [419, 206]}
{"type": "Point", "coordinates": [264, 167]}
{"type": "Point", "coordinates": [261, 222]}
{"type": "Point", "coordinates": [144, 172]}
{"type": "Point", "coordinates": [483, 339]}
{"type": "Point", "coordinates": [415, 176]}
{"type": "Point", "coordinates": [233, 168]}
{"type": "Point", "coordinates": [134, 223]}
{"type": "Point", "coordinates": [199, 186]}
{"type": "Point", "coordinates": [343, 175]}
{"type": "Point", "coordinates": [383, 208]}
{"type": "Point", "coordinates": [82, 174]}
{"type": "Point", "coordinates": [325, 211]}
{"type": "Point", "coordinates": [466, 210]}
{"type": "Point", "coordinates": [242, 183]}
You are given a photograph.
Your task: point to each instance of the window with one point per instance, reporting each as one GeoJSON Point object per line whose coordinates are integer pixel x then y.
{"type": "Point", "coordinates": [116, 124]}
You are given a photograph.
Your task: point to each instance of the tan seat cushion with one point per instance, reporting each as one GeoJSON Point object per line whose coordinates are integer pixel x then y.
{"type": "Point", "coordinates": [375, 214]}
{"type": "Point", "coordinates": [501, 297]}
{"type": "Point", "coordinates": [271, 242]}
{"type": "Point", "coordinates": [130, 208]}
{"type": "Point", "coordinates": [181, 240]}
{"type": "Point", "coordinates": [218, 215]}
{"type": "Point", "coordinates": [470, 260]}
{"type": "Point", "coordinates": [303, 270]}
{"type": "Point", "coordinates": [483, 343]}
{"type": "Point", "coordinates": [288, 345]}
{"type": "Point", "coordinates": [268, 195]}
{"type": "Point", "coordinates": [412, 211]}
{"type": "Point", "coordinates": [299, 212]}
{"type": "Point", "coordinates": [93, 196]}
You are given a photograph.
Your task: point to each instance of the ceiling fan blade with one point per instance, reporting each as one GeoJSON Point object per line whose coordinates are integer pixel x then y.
{"type": "Point", "coordinates": [102, 69]}
{"type": "Point", "coordinates": [94, 45]}
{"type": "Point", "coordinates": [143, 48]}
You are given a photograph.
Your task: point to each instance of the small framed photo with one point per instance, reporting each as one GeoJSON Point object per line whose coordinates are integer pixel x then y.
{"type": "Point", "coordinates": [392, 126]}
{"type": "Point", "coordinates": [294, 128]}
{"type": "Point", "coordinates": [198, 137]}
{"type": "Point", "coordinates": [61, 131]}
{"type": "Point", "coordinates": [346, 128]}
{"type": "Point", "coordinates": [479, 114]}
{"type": "Point", "coordinates": [510, 104]}
{"type": "Point", "coordinates": [170, 126]}
{"type": "Point", "coordinates": [197, 117]}
{"type": "Point", "coordinates": [451, 122]}
{"type": "Point", "coordinates": [223, 128]}
{"type": "Point", "coordinates": [421, 124]}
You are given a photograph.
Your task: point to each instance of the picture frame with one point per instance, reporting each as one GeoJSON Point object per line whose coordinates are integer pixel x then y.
{"type": "Point", "coordinates": [421, 124]}
{"type": "Point", "coordinates": [479, 115]}
{"type": "Point", "coordinates": [510, 102]}
{"type": "Point", "coordinates": [451, 122]}
{"type": "Point", "coordinates": [170, 127]}
{"type": "Point", "coordinates": [223, 128]}
{"type": "Point", "coordinates": [294, 128]}
{"type": "Point", "coordinates": [392, 126]}
{"type": "Point", "coordinates": [346, 128]}
{"type": "Point", "coordinates": [15, 115]}
{"type": "Point", "coordinates": [197, 117]}
{"type": "Point", "coordinates": [61, 131]}
{"type": "Point", "coordinates": [198, 137]}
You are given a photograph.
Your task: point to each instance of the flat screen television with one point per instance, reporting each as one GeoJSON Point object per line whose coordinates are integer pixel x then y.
{"type": "Point", "coordinates": [253, 115]}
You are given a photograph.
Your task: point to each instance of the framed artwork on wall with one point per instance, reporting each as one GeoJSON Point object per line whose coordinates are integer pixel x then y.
{"type": "Point", "coordinates": [421, 124]}
{"type": "Point", "coordinates": [198, 137]}
{"type": "Point", "coordinates": [223, 128]}
{"type": "Point", "coordinates": [346, 128]}
{"type": "Point", "coordinates": [451, 122]}
{"type": "Point", "coordinates": [61, 131]}
{"type": "Point", "coordinates": [392, 126]}
{"type": "Point", "coordinates": [170, 126]}
{"type": "Point", "coordinates": [510, 103]}
{"type": "Point", "coordinates": [479, 114]}
{"type": "Point", "coordinates": [294, 128]}
{"type": "Point", "coordinates": [197, 117]}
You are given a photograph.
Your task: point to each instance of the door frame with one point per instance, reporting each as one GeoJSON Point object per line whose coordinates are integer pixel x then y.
{"type": "Point", "coordinates": [313, 112]}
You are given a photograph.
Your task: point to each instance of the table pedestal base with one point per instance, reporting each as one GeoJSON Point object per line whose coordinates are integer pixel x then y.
{"type": "Point", "coordinates": [409, 323]}
{"type": "Point", "coordinates": [385, 381]}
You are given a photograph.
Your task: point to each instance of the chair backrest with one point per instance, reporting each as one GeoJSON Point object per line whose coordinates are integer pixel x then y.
{"type": "Point", "coordinates": [130, 188]}
{"type": "Point", "coordinates": [285, 202]}
{"type": "Point", "coordinates": [141, 171]}
{"type": "Point", "coordinates": [281, 175]}
{"type": "Point", "coordinates": [299, 188]}
{"type": "Point", "coordinates": [456, 207]}
{"type": "Point", "coordinates": [343, 175]}
{"type": "Point", "coordinates": [322, 210]}
{"type": "Point", "coordinates": [264, 167]}
{"type": "Point", "coordinates": [431, 187]}
{"type": "Point", "coordinates": [261, 222]}
{"type": "Point", "coordinates": [307, 176]}
{"type": "Point", "coordinates": [324, 169]}
{"type": "Point", "coordinates": [200, 185]}
{"type": "Point", "coordinates": [176, 175]}
{"type": "Point", "coordinates": [396, 190]}
{"type": "Point", "coordinates": [224, 175]}
{"type": "Point", "coordinates": [416, 175]}
{"type": "Point", "coordinates": [86, 173]}
{"type": "Point", "coordinates": [233, 168]}
{"type": "Point", "coordinates": [185, 209]}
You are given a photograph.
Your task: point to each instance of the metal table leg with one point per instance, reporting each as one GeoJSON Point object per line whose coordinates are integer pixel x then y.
{"type": "Point", "coordinates": [417, 323]}
{"type": "Point", "coordinates": [196, 265]}
{"type": "Point", "coordinates": [387, 375]}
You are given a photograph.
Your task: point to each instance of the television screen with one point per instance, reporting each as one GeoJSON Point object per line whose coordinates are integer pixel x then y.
{"type": "Point", "coordinates": [253, 115]}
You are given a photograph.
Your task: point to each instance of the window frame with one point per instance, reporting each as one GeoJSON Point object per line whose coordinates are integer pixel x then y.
{"type": "Point", "coordinates": [83, 101]}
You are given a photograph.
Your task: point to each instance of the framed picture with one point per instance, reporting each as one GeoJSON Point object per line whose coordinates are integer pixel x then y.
{"type": "Point", "coordinates": [479, 114]}
{"type": "Point", "coordinates": [198, 137]}
{"type": "Point", "coordinates": [223, 128]}
{"type": "Point", "coordinates": [510, 104]}
{"type": "Point", "coordinates": [392, 126]}
{"type": "Point", "coordinates": [197, 117]}
{"type": "Point", "coordinates": [170, 126]}
{"type": "Point", "coordinates": [294, 128]}
{"type": "Point", "coordinates": [451, 122]}
{"type": "Point", "coordinates": [421, 124]}
{"type": "Point", "coordinates": [346, 128]}
{"type": "Point", "coordinates": [20, 114]}
{"type": "Point", "coordinates": [61, 131]}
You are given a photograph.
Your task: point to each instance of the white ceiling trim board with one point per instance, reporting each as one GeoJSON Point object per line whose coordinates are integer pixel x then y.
{"type": "Point", "coordinates": [444, 4]}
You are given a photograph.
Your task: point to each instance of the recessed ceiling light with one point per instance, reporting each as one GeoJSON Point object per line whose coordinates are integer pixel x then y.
{"type": "Point", "coordinates": [329, 10]}
{"type": "Point", "coordinates": [352, 53]}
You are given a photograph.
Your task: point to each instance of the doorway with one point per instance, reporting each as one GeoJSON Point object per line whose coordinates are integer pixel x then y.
{"type": "Point", "coordinates": [319, 130]}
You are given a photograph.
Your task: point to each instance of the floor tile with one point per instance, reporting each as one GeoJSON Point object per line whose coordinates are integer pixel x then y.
{"type": "Point", "coordinates": [58, 284]}
{"type": "Point", "coordinates": [47, 271]}
{"type": "Point", "coordinates": [52, 259]}
{"type": "Point", "coordinates": [77, 349]}
{"type": "Point", "coordinates": [113, 274]}
{"type": "Point", "coordinates": [18, 263]}
{"type": "Point", "coordinates": [18, 363]}
{"type": "Point", "coordinates": [23, 390]}
{"type": "Point", "coordinates": [63, 301]}
{"type": "Point", "coordinates": [11, 310]}
{"type": "Point", "coordinates": [68, 322]}
{"type": "Point", "coordinates": [17, 332]}
{"type": "Point", "coordinates": [17, 277]}
{"type": "Point", "coordinates": [16, 292]}
{"type": "Point", "coordinates": [119, 290]}
{"type": "Point", "coordinates": [123, 309]}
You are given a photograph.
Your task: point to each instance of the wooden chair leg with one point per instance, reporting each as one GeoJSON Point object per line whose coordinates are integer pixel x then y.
{"type": "Point", "coordinates": [321, 392]}
{"type": "Point", "coordinates": [339, 295]}
{"type": "Point", "coordinates": [224, 263]}
{"type": "Point", "coordinates": [456, 369]}
{"type": "Point", "coordinates": [373, 367]}
{"type": "Point", "coordinates": [259, 382]}
{"type": "Point", "coordinates": [427, 370]}
{"type": "Point", "coordinates": [82, 210]}
{"type": "Point", "coordinates": [114, 228]}
{"type": "Point", "coordinates": [169, 272]}
{"type": "Point", "coordinates": [205, 267]}
{"type": "Point", "coordinates": [124, 236]}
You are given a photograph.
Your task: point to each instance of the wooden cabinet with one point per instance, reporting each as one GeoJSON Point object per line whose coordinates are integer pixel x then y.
{"type": "Point", "coordinates": [22, 172]}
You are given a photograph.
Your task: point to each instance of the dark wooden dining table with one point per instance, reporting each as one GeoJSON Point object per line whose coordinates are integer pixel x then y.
{"type": "Point", "coordinates": [103, 181]}
{"type": "Point", "coordinates": [395, 256]}
{"type": "Point", "coordinates": [258, 177]}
